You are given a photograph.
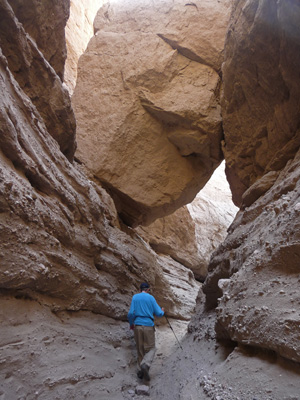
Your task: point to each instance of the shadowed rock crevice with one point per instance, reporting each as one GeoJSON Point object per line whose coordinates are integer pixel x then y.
{"type": "Point", "coordinates": [188, 53]}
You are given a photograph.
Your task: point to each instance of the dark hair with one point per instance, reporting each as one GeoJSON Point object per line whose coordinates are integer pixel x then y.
{"type": "Point", "coordinates": [144, 286]}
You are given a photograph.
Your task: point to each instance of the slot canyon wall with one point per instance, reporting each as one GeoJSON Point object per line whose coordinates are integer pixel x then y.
{"type": "Point", "coordinates": [159, 103]}
{"type": "Point", "coordinates": [258, 263]}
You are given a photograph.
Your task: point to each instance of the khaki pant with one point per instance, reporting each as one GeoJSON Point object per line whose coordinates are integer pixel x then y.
{"type": "Point", "coordinates": [144, 337]}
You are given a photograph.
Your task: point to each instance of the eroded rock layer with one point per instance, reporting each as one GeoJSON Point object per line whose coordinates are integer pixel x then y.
{"type": "Point", "coordinates": [255, 272]}
{"type": "Point", "coordinates": [45, 22]}
{"type": "Point", "coordinates": [60, 239]}
{"type": "Point", "coordinates": [147, 103]}
{"type": "Point", "coordinates": [261, 90]}
{"type": "Point", "coordinates": [33, 72]}
{"type": "Point", "coordinates": [259, 262]}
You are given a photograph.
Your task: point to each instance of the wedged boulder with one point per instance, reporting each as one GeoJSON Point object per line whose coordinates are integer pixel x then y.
{"type": "Point", "coordinates": [33, 72]}
{"type": "Point", "coordinates": [260, 104]}
{"type": "Point", "coordinates": [152, 129]}
{"type": "Point", "coordinates": [255, 272]}
{"type": "Point", "coordinates": [196, 30]}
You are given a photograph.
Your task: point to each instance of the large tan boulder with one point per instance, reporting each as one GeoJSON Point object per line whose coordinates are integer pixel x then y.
{"type": "Point", "coordinates": [152, 129]}
{"type": "Point", "coordinates": [196, 30]}
{"type": "Point", "coordinates": [261, 90]}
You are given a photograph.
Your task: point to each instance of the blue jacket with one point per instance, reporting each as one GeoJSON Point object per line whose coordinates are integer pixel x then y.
{"type": "Point", "coordinates": [142, 310]}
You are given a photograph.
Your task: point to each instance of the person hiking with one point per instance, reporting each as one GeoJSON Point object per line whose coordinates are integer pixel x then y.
{"type": "Point", "coordinates": [141, 319]}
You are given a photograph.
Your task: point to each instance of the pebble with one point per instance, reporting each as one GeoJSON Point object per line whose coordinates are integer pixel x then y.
{"type": "Point", "coordinates": [142, 390]}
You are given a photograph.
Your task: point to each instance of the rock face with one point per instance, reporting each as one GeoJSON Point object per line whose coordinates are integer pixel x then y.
{"type": "Point", "coordinates": [259, 260]}
{"type": "Point", "coordinates": [34, 74]}
{"type": "Point", "coordinates": [255, 272]}
{"type": "Point", "coordinates": [152, 130]}
{"type": "Point", "coordinates": [182, 286]}
{"type": "Point", "coordinates": [45, 22]}
{"type": "Point", "coordinates": [261, 93]}
{"type": "Point", "coordinates": [174, 236]}
{"type": "Point", "coordinates": [193, 232]}
{"type": "Point", "coordinates": [61, 243]}
{"type": "Point", "coordinates": [62, 248]}
{"type": "Point", "coordinates": [79, 30]}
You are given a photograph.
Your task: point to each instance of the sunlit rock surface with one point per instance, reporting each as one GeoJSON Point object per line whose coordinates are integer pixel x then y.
{"type": "Point", "coordinates": [152, 130]}
{"type": "Point", "coordinates": [62, 252]}
{"type": "Point", "coordinates": [79, 30]}
{"type": "Point", "coordinates": [212, 212]}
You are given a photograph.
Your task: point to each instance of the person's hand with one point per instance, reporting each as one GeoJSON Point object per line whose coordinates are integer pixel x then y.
{"type": "Point", "coordinates": [163, 309]}
{"type": "Point", "coordinates": [132, 327]}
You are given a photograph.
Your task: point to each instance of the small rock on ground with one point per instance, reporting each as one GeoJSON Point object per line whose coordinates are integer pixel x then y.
{"type": "Point", "coordinates": [142, 390]}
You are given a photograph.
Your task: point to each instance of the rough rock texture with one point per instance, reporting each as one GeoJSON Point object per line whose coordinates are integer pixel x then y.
{"type": "Point", "coordinates": [152, 130]}
{"type": "Point", "coordinates": [61, 243]}
{"type": "Point", "coordinates": [174, 236]}
{"type": "Point", "coordinates": [62, 251]}
{"type": "Point", "coordinates": [183, 287]}
{"type": "Point", "coordinates": [209, 370]}
{"type": "Point", "coordinates": [79, 30]}
{"type": "Point", "coordinates": [255, 272]}
{"type": "Point", "coordinates": [177, 22]}
{"type": "Point", "coordinates": [261, 99]}
{"type": "Point", "coordinates": [260, 302]}
{"type": "Point", "coordinates": [68, 355]}
{"type": "Point", "coordinates": [45, 22]}
{"type": "Point", "coordinates": [35, 75]}
{"type": "Point", "coordinates": [64, 353]}
{"type": "Point", "coordinates": [194, 231]}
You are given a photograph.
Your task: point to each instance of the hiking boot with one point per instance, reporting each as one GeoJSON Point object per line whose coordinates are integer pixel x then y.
{"type": "Point", "coordinates": [145, 371]}
{"type": "Point", "coordinates": [140, 374]}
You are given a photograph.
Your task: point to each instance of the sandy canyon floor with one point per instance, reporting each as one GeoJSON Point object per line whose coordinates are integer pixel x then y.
{"type": "Point", "coordinates": [86, 356]}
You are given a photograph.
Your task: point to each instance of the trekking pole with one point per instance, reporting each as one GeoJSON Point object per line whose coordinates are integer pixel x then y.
{"type": "Point", "coordinates": [173, 332]}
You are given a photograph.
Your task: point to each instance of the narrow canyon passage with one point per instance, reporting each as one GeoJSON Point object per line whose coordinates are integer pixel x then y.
{"type": "Point", "coordinates": [119, 121]}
